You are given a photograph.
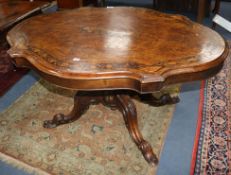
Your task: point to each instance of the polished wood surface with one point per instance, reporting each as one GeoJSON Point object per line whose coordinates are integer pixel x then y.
{"type": "Point", "coordinates": [216, 10]}
{"type": "Point", "coordinates": [201, 10]}
{"type": "Point", "coordinates": [11, 13]}
{"type": "Point", "coordinates": [14, 11]}
{"type": "Point", "coordinates": [71, 4]}
{"type": "Point", "coordinates": [117, 48]}
{"type": "Point", "coordinates": [201, 7]}
{"type": "Point", "coordinates": [112, 49]}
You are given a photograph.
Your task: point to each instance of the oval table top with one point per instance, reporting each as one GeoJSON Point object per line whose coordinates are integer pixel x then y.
{"type": "Point", "coordinates": [117, 48]}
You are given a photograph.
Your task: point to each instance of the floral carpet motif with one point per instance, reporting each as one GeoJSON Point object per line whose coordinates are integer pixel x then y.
{"type": "Point", "coordinates": [96, 144]}
{"type": "Point", "coordinates": [213, 155]}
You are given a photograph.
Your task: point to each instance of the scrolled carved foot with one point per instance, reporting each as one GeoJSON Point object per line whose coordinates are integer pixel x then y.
{"type": "Point", "coordinates": [81, 104]}
{"type": "Point", "coordinates": [58, 119]}
{"type": "Point", "coordinates": [128, 109]}
{"type": "Point", "coordinates": [147, 152]}
{"type": "Point", "coordinates": [165, 99]}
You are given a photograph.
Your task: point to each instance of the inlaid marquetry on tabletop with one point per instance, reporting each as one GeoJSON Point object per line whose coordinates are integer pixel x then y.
{"type": "Point", "coordinates": [105, 52]}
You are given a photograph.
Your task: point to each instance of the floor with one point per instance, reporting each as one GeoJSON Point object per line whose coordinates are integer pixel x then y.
{"type": "Point", "coordinates": [176, 155]}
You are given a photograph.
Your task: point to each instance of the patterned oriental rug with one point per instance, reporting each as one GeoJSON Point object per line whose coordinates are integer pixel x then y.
{"type": "Point", "coordinates": [212, 148]}
{"type": "Point", "coordinates": [96, 144]}
{"type": "Point", "coordinates": [8, 74]}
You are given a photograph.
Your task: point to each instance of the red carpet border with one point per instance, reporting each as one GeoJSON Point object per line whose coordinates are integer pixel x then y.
{"type": "Point", "coordinates": [212, 147]}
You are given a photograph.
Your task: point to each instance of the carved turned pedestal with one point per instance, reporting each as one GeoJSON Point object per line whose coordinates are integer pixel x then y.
{"type": "Point", "coordinates": [106, 53]}
{"type": "Point", "coordinates": [114, 100]}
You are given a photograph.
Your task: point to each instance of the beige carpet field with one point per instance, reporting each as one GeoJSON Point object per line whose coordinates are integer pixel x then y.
{"type": "Point", "coordinates": [97, 144]}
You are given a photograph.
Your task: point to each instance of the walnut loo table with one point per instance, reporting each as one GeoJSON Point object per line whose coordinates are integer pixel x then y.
{"type": "Point", "coordinates": [105, 53]}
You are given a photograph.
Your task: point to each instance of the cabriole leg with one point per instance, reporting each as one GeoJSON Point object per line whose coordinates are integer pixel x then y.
{"type": "Point", "coordinates": [81, 104]}
{"type": "Point", "coordinates": [128, 109]}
